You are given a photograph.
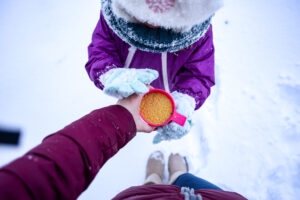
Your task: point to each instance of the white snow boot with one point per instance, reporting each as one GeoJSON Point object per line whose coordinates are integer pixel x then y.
{"type": "Point", "coordinates": [155, 168]}
{"type": "Point", "coordinates": [177, 166]}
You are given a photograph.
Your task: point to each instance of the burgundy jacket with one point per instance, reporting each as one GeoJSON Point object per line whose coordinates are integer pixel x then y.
{"type": "Point", "coordinates": [189, 71]}
{"type": "Point", "coordinates": [66, 162]}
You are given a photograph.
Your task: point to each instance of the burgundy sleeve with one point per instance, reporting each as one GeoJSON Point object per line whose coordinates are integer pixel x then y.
{"type": "Point", "coordinates": [197, 76]}
{"type": "Point", "coordinates": [66, 162]}
{"type": "Point", "coordinates": [210, 194]}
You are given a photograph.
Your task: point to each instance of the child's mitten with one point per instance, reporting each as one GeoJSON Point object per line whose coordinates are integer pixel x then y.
{"type": "Point", "coordinates": [123, 82]}
{"type": "Point", "coordinates": [185, 105]}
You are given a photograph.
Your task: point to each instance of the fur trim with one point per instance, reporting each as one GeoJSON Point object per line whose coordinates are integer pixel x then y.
{"type": "Point", "coordinates": [175, 175]}
{"type": "Point", "coordinates": [178, 15]}
{"type": "Point", "coordinates": [154, 40]}
{"type": "Point", "coordinates": [153, 179]}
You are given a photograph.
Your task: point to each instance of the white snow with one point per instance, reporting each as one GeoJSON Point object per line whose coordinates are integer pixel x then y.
{"type": "Point", "coordinates": [246, 136]}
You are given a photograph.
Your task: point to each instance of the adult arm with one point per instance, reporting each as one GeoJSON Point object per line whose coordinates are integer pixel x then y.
{"type": "Point", "coordinates": [66, 162]}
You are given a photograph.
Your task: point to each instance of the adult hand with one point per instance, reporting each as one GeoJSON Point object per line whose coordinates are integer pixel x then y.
{"type": "Point", "coordinates": [132, 104]}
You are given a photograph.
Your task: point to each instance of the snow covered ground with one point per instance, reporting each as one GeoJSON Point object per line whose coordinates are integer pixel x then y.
{"type": "Point", "coordinates": [246, 136]}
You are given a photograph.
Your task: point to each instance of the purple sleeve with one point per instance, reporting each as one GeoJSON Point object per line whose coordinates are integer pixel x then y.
{"type": "Point", "coordinates": [66, 162]}
{"type": "Point", "coordinates": [197, 75]}
{"type": "Point", "coordinates": [103, 52]}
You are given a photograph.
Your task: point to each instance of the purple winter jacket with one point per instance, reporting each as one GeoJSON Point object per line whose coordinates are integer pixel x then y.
{"type": "Point", "coordinates": [66, 162]}
{"type": "Point", "coordinates": [189, 71]}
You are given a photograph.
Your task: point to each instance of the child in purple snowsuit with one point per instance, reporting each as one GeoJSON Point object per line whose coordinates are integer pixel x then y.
{"type": "Point", "coordinates": [167, 43]}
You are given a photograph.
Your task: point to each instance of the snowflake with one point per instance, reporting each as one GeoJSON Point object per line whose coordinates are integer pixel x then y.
{"type": "Point", "coordinates": [160, 6]}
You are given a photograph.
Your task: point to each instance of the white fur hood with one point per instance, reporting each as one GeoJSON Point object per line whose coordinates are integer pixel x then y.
{"type": "Point", "coordinates": [180, 15]}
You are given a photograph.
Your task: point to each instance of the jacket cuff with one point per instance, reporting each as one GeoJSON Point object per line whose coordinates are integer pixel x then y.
{"type": "Point", "coordinates": [101, 72]}
{"type": "Point", "coordinates": [198, 97]}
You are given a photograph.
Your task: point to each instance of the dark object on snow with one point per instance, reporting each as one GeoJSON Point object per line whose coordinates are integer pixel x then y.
{"type": "Point", "coordinates": [9, 136]}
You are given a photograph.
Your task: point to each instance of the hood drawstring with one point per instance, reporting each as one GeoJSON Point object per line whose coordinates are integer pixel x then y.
{"type": "Point", "coordinates": [131, 52]}
{"type": "Point", "coordinates": [165, 71]}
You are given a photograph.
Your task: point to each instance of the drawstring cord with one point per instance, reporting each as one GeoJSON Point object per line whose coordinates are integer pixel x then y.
{"type": "Point", "coordinates": [164, 64]}
{"type": "Point", "coordinates": [131, 52]}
